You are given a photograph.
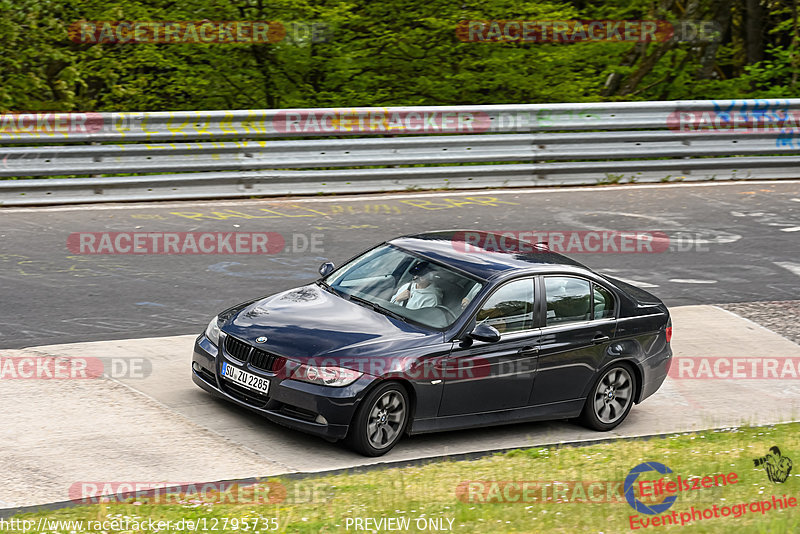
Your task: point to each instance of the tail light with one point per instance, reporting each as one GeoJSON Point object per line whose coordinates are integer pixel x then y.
{"type": "Point", "coordinates": [669, 332]}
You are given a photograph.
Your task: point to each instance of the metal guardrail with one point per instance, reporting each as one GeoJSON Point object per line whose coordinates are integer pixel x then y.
{"type": "Point", "coordinates": [218, 154]}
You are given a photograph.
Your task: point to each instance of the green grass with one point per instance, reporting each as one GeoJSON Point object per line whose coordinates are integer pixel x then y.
{"type": "Point", "coordinates": [323, 504]}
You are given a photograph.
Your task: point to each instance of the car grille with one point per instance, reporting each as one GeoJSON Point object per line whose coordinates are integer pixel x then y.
{"type": "Point", "coordinates": [238, 349]}
{"type": "Point", "coordinates": [260, 359]}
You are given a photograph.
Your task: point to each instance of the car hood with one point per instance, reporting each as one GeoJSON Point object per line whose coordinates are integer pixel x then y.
{"type": "Point", "coordinates": [310, 322]}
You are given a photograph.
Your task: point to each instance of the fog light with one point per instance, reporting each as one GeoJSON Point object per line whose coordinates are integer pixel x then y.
{"type": "Point", "coordinates": [321, 420]}
{"type": "Point", "coordinates": [196, 366]}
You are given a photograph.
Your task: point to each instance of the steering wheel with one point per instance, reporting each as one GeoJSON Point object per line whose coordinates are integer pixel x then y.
{"type": "Point", "coordinates": [451, 316]}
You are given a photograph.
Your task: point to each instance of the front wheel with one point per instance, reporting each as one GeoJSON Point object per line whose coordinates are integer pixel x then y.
{"type": "Point", "coordinates": [380, 420]}
{"type": "Point", "coordinates": [610, 399]}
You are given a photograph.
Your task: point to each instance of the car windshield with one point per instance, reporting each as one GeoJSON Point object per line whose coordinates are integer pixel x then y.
{"type": "Point", "coordinates": [397, 283]}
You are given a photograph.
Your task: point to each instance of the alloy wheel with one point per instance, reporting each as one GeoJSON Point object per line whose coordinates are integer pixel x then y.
{"type": "Point", "coordinates": [386, 419]}
{"type": "Point", "coordinates": [613, 395]}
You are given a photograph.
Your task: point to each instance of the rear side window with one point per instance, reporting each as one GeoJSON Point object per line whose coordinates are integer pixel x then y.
{"type": "Point", "coordinates": [604, 304]}
{"type": "Point", "coordinates": [568, 299]}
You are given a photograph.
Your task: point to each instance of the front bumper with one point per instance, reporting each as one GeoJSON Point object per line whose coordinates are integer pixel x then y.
{"type": "Point", "coordinates": [320, 410]}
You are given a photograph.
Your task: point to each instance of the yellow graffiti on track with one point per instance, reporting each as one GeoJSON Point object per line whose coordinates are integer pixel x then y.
{"type": "Point", "coordinates": [339, 209]}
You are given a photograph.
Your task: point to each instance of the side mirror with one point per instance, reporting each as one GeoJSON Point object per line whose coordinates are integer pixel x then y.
{"type": "Point", "coordinates": [485, 332]}
{"type": "Point", "coordinates": [326, 268]}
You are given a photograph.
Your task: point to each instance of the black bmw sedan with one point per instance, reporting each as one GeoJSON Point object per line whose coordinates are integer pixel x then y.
{"type": "Point", "coordinates": [439, 331]}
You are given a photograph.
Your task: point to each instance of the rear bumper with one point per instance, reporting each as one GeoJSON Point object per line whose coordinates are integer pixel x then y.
{"type": "Point", "coordinates": [320, 410]}
{"type": "Point", "coordinates": [654, 371]}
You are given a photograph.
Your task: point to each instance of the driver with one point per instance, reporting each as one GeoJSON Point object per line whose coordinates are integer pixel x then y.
{"type": "Point", "coordinates": [420, 292]}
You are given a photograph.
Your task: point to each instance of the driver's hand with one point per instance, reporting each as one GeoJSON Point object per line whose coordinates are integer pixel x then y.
{"type": "Point", "coordinates": [402, 296]}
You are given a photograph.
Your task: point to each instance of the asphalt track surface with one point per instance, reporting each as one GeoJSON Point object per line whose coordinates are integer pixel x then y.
{"type": "Point", "coordinates": [731, 242]}
{"type": "Point", "coordinates": [158, 427]}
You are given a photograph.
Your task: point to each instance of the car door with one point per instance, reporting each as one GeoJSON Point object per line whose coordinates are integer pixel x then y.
{"type": "Point", "coordinates": [578, 323]}
{"type": "Point", "coordinates": [485, 376]}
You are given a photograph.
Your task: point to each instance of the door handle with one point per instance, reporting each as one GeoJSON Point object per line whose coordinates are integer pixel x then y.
{"type": "Point", "coordinates": [529, 351]}
{"type": "Point", "coordinates": [600, 338]}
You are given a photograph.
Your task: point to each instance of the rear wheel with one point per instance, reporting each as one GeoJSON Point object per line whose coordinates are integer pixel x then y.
{"type": "Point", "coordinates": [380, 420]}
{"type": "Point", "coordinates": [610, 398]}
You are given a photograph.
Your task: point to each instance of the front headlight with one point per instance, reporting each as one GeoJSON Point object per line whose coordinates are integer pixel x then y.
{"type": "Point", "coordinates": [325, 376]}
{"type": "Point", "coordinates": [212, 331]}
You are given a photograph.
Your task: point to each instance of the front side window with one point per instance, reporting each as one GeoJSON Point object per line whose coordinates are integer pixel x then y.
{"type": "Point", "coordinates": [569, 299]}
{"type": "Point", "coordinates": [510, 308]}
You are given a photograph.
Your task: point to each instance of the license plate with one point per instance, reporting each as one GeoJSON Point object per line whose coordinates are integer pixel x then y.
{"type": "Point", "coordinates": [243, 378]}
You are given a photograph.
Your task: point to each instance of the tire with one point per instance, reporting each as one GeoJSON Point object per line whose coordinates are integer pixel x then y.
{"type": "Point", "coordinates": [380, 420]}
{"type": "Point", "coordinates": [610, 399]}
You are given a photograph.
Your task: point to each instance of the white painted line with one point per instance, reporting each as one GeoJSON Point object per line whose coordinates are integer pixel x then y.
{"type": "Point", "coordinates": [789, 266]}
{"type": "Point", "coordinates": [691, 281]}
{"type": "Point", "coordinates": [390, 196]}
{"type": "Point", "coordinates": [791, 229]}
{"type": "Point", "coordinates": [637, 283]}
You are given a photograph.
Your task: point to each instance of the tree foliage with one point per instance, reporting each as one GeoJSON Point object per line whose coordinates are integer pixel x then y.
{"type": "Point", "coordinates": [402, 52]}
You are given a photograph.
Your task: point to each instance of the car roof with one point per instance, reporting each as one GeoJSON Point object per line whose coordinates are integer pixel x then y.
{"type": "Point", "coordinates": [484, 254]}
